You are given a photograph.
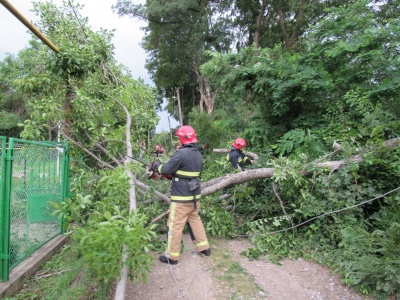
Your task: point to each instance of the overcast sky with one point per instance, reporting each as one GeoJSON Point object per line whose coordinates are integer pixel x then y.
{"type": "Point", "coordinates": [14, 37]}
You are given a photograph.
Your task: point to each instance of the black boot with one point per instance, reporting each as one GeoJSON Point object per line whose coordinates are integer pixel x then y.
{"type": "Point", "coordinates": [166, 260]}
{"type": "Point", "coordinates": [206, 252]}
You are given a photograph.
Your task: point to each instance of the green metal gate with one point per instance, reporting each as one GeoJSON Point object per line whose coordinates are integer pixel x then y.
{"type": "Point", "coordinates": [33, 176]}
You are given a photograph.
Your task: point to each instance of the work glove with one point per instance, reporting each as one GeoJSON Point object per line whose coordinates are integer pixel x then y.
{"type": "Point", "coordinates": [166, 177]}
{"type": "Point", "coordinates": [154, 166]}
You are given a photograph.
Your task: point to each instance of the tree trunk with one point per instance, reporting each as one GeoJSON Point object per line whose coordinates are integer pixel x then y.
{"type": "Point", "coordinates": [219, 183]}
{"type": "Point", "coordinates": [69, 96]}
{"type": "Point", "coordinates": [257, 33]}
{"type": "Point", "coordinates": [288, 42]}
{"type": "Point", "coordinates": [207, 98]}
{"type": "Point", "coordinates": [121, 285]}
{"type": "Point", "coordinates": [178, 96]}
{"type": "Point", "coordinates": [201, 105]}
{"type": "Point", "coordinates": [247, 153]}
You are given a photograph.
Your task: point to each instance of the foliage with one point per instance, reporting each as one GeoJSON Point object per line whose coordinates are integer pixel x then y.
{"type": "Point", "coordinates": [364, 48]}
{"type": "Point", "coordinates": [279, 84]}
{"type": "Point", "coordinates": [171, 25]}
{"type": "Point", "coordinates": [275, 246]}
{"type": "Point", "coordinates": [110, 186]}
{"type": "Point", "coordinates": [218, 221]}
{"type": "Point", "coordinates": [331, 237]}
{"type": "Point", "coordinates": [101, 244]}
{"type": "Point", "coordinates": [258, 135]}
{"type": "Point", "coordinates": [298, 141]}
{"type": "Point", "coordinates": [296, 90]}
{"type": "Point", "coordinates": [374, 249]}
{"type": "Point", "coordinates": [208, 131]}
{"type": "Point", "coordinates": [12, 105]}
{"type": "Point", "coordinates": [101, 228]}
{"type": "Point", "coordinates": [220, 26]}
{"type": "Point", "coordinates": [80, 93]}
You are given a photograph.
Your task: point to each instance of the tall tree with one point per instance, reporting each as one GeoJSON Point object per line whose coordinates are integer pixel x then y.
{"type": "Point", "coordinates": [180, 32]}
{"type": "Point", "coordinates": [177, 36]}
{"type": "Point", "coordinates": [12, 103]}
{"type": "Point", "coordinates": [85, 71]}
{"type": "Point", "coordinates": [349, 69]}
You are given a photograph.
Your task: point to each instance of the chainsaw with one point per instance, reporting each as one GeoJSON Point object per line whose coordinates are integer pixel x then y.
{"type": "Point", "coordinates": [154, 175]}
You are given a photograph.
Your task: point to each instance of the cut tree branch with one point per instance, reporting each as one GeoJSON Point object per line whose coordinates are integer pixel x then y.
{"type": "Point", "coordinates": [156, 193]}
{"type": "Point", "coordinates": [247, 153]}
{"type": "Point", "coordinates": [160, 217]}
{"type": "Point", "coordinates": [100, 161]}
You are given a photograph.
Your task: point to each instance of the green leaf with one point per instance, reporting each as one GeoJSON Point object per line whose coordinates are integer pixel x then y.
{"type": "Point", "coordinates": [107, 215]}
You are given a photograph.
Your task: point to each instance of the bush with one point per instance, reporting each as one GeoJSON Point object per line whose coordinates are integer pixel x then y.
{"type": "Point", "coordinates": [371, 257]}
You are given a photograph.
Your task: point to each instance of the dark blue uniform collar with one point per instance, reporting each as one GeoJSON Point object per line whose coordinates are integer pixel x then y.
{"type": "Point", "coordinates": [189, 145]}
{"type": "Point", "coordinates": [235, 149]}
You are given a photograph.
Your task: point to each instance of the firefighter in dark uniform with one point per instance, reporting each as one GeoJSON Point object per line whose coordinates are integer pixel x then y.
{"type": "Point", "coordinates": [185, 166]}
{"type": "Point", "coordinates": [159, 150]}
{"type": "Point", "coordinates": [237, 158]}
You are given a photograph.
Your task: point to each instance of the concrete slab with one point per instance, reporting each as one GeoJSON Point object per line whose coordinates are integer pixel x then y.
{"type": "Point", "coordinates": [29, 266]}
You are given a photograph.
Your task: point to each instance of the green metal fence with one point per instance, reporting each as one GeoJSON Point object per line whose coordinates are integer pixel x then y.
{"type": "Point", "coordinates": [33, 176]}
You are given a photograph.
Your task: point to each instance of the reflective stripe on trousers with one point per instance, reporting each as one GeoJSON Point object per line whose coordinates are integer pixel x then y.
{"type": "Point", "coordinates": [179, 214]}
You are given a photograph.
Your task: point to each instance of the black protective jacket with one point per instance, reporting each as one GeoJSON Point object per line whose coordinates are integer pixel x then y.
{"type": "Point", "coordinates": [185, 167]}
{"type": "Point", "coordinates": [237, 158]}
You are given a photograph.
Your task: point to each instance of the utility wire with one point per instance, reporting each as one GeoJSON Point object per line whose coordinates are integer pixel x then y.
{"type": "Point", "coordinates": [196, 274]}
{"type": "Point", "coordinates": [325, 214]}
{"type": "Point", "coordinates": [172, 273]}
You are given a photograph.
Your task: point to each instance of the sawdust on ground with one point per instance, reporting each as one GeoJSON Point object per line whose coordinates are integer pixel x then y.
{"type": "Point", "coordinates": [193, 279]}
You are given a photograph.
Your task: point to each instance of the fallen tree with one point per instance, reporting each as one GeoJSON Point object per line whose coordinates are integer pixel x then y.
{"type": "Point", "coordinates": [247, 153]}
{"type": "Point", "coordinates": [217, 184]}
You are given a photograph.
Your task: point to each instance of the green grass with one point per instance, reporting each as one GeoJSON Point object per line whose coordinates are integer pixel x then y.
{"type": "Point", "coordinates": [64, 277]}
{"type": "Point", "coordinates": [234, 281]}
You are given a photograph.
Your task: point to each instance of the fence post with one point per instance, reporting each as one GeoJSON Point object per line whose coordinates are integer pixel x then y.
{"type": "Point", "coordinates": [6, 194]}
{"type": "Point", "coordinates": [3, 253]}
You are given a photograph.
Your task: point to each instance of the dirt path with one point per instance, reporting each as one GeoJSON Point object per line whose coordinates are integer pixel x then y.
{"type": "Point", "coordinates": [226, 275]}
{"type": "Point", "coordinates": [191, 278]}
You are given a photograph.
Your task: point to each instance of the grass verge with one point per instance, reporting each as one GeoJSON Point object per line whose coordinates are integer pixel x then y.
{"type": "Point", "coordinates": [64, 277]}
{"type": "Point", "coordinates": [233, 281]}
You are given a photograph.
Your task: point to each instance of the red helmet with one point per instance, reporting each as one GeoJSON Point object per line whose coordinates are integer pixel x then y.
{"type": "Point", "coordinates": [239, 143]}
{"type": "Point", "coordinates": [186, 135]}
{"type": "Point", "coordinates": [159, 148]}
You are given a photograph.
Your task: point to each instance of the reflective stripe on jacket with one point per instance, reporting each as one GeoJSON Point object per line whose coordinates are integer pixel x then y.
{"type": "Point", "coordinates": [185, 164]}
{"type": "Point", "coordinates": [237, 158]}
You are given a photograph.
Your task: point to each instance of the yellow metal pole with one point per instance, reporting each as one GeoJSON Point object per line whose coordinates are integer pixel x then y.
{"type": "Point", "coordinates": [29, 25]}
